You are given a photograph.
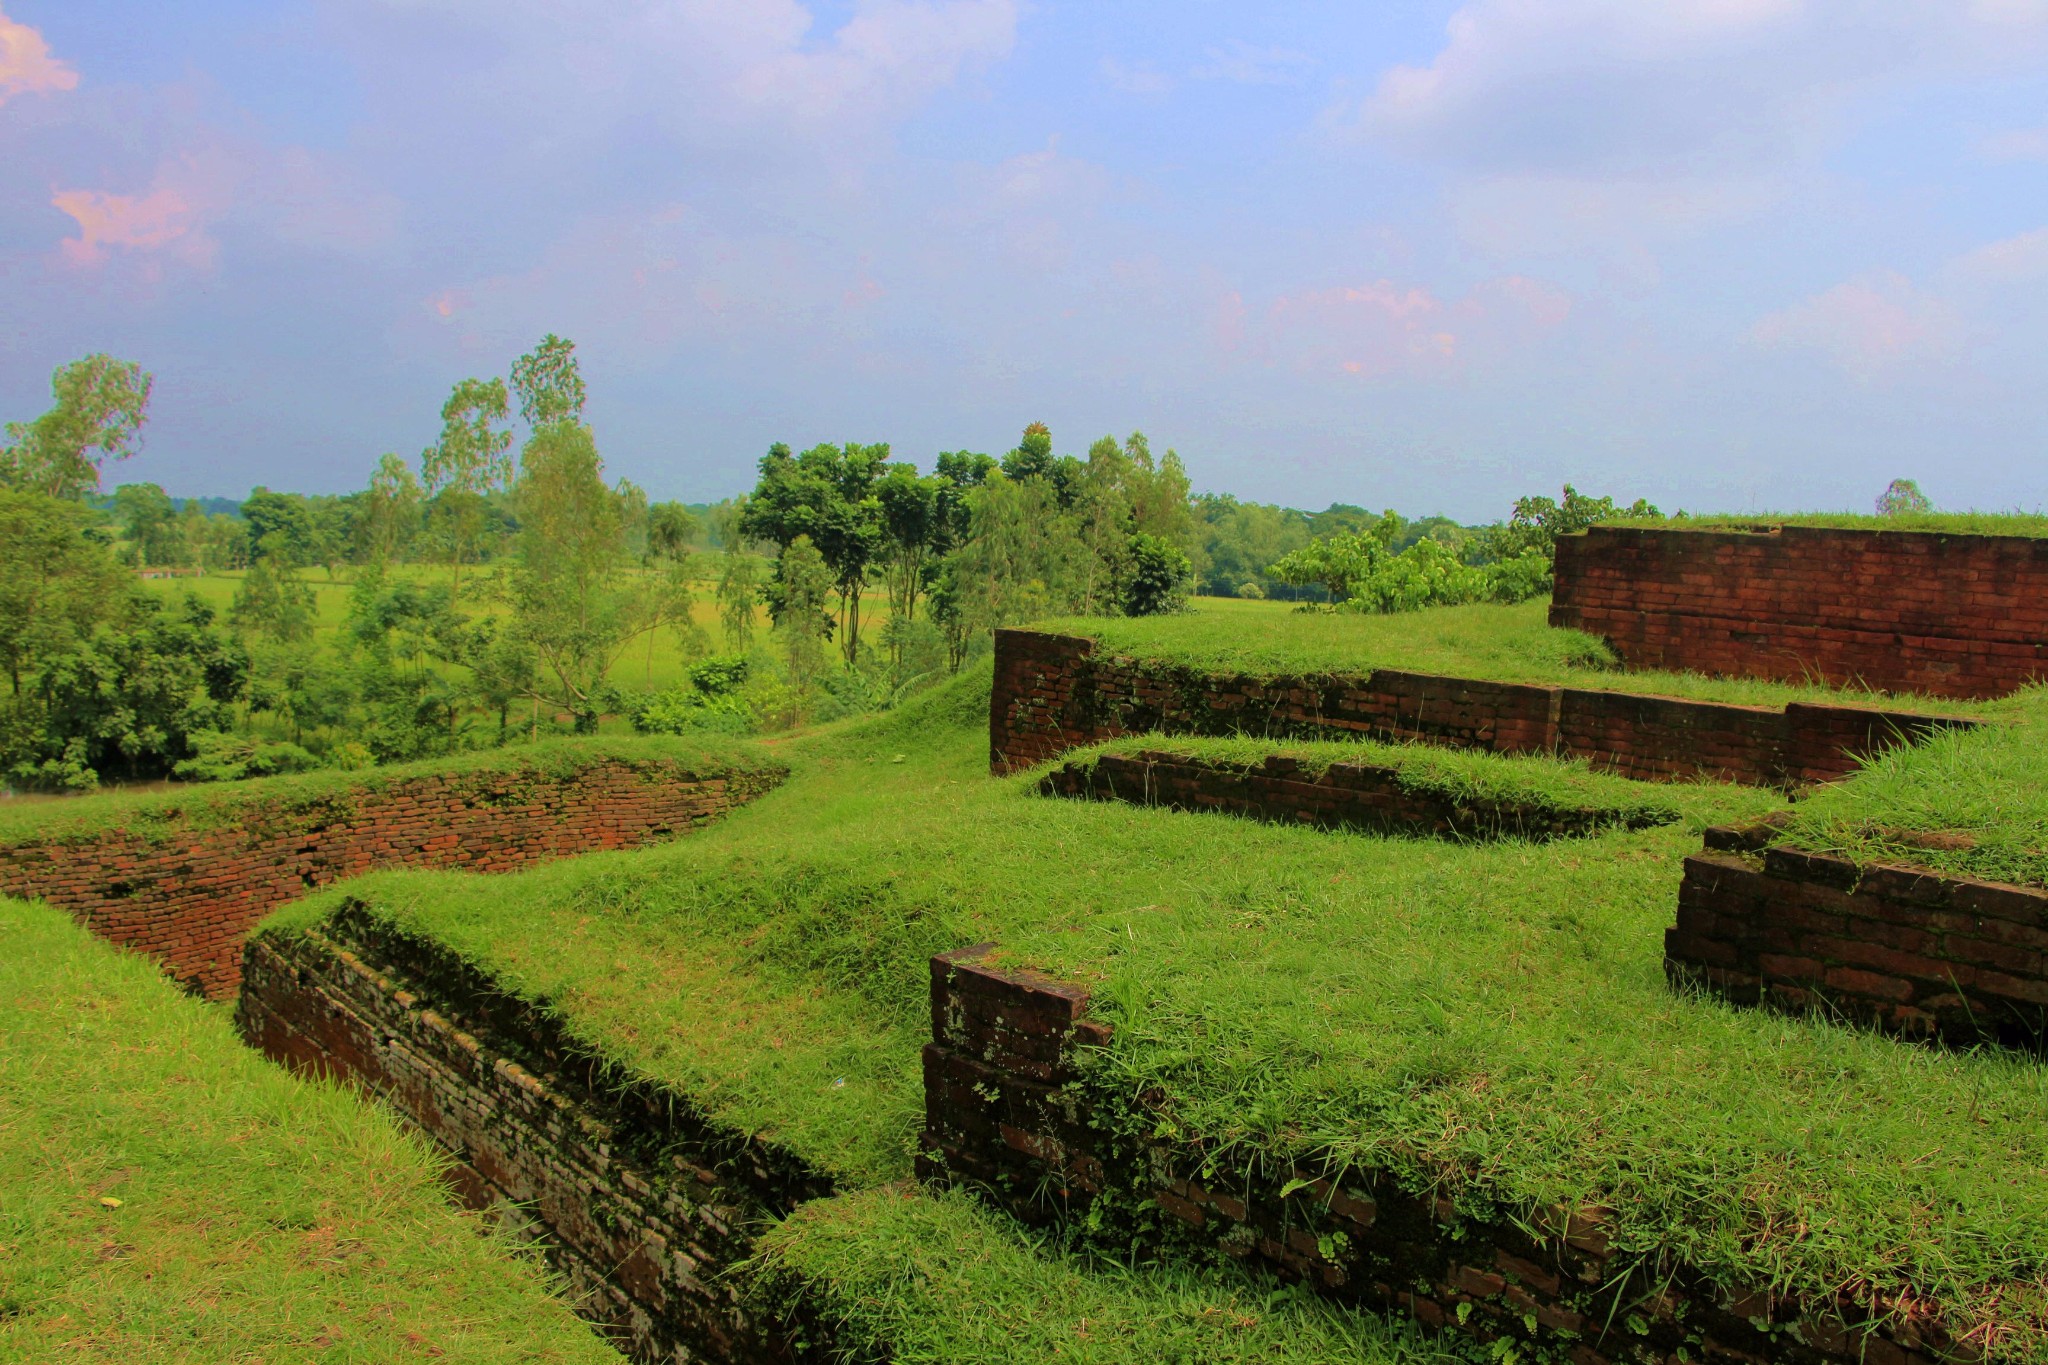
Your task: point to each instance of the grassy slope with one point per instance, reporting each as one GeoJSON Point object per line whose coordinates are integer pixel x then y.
{"type": "Point", "coordinates": [203, 805]}
{"type": "Point", "coordinates": [1324, 996]}
{"type": "Point", "coordinates": [2033, 524]}
{"type": "Point", "coordinates": [942, 1281]}
{"type": "Point", "coordinates": [259, 1217]}
{"type": "Point", "coordinates": [1503, 644]}
{"type": "Point", "coordinates": [1985, 783]}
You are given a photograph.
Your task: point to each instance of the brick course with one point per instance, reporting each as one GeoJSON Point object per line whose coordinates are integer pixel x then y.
{"type": "Point", "coordinates": [637, 1200]}
{"type": "Point", "coordinates": [1056, 692]}
{"type": "Point", "coordinates": [187, 896]}
{"type": "Point", "coordinates": [1341, 796]}
{"type": "Point", "coordinates": [1900, 947]}
{"type": "Point", "coordinates": [1009, 1109]}
{"type": "Point", "coordinates": [1903, 611]}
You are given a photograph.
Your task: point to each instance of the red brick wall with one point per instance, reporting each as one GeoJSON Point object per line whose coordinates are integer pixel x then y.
{"type": "Point", "coordinates": [638, 1203]}
{"type": "Point", "coordinates": [1901, 611]}
{"type": "Point", "coordinates": [1008, 1109]}
{"type": "Point", "coordinates": [1054, 692]}
{"type": "Point", "coordinates": [1900, 947]}
{"type": "Point", "coordinates": [1341, 796]}
{"type": "Point", "coordinates": [188, 896]}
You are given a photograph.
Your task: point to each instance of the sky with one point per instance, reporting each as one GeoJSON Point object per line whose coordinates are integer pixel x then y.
{"type": "Point", "coordinates": [1727, 255]}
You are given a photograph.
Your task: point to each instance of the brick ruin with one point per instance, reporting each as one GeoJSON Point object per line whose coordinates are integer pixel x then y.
{"type": "Point", "coordinates": [1359, 796]}
{"type": "Point", "coordinates": [1057, 692]}
{"type": "Point", "coordinates": [187, 892]}
{"type": "Point", "coordinates": [1899, 947]}
{"type": "Point", "coordinates": [1009, 1108]}
{"type": "Point", "coordinates": [1902, 611]}
{"type": "Point", "coordinates": [637, 1200]}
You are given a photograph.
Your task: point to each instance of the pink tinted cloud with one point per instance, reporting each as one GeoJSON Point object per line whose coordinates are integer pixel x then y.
{"type": "Point", "coordinates": [26, 66]}
{"type": "Point", "coordinates": [1384, 328]}
{"type": "Point", "coordinates": [1865, 327]}
{"type": "Point", "coordinates": [142, 223]}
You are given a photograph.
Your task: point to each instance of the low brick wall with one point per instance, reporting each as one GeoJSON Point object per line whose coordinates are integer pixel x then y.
{"type": "Point", "coordinates": [636, 1200]}
{"type": "Point", "coordinates": [1008, 1109]}
{"type": "Point", "coordinates": [1057, 692]}
{"type": "Point", "coordinates": [1900, 947]}
{"type": "Point", "coordinates": [188, 896]}
{"type": "Point", "coordinates": [1341, 796]}
{"type": "Point", "coordinates": [1902, 611]}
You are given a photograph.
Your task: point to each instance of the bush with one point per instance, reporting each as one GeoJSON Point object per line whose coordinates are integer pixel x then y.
{"type": "Point", "coordinates": [688, 711]}
{"type": "Point", "coordinates": [220, 757]}
{"type": "Point", "coordinates": [1161, 577]}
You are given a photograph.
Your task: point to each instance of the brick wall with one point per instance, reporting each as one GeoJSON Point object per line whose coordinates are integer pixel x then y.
{"type": "Point", "coordinates": [1341, 796]}
{"type": "Point", "coordinates": [1008, 1108]}
{"type": "Point", "coordinates": [189, 895]}
{"type": "Point", "coordinates": [638, 1202]}
{"type": "Point", "coordinates": [1903, 611]}
{"type": "Point", "coordinates": [1055, 692]}
{"type": "Point", "coordinates": [1900, 947]}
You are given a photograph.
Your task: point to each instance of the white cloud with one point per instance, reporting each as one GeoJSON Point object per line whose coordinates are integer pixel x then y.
{"type": "Point", "coordinates": [1867, 327]}
{"type": "Point", "coordinates": [1135, 78]}
{"type": "Point", "coordinates": [2013, 260]}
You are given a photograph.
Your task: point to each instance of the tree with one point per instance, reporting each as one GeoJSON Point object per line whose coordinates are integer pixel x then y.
{"type": "Point", "coordinates": [826, 494]}
{"type": "Point", "coordinates": [1339, 563]}
{"type": "Point", "coordinates": [273, 601]}
{"type": "Point", "coordinates": [467, 463]}
{"type": "Point", "coordinates": [57, 582]}
{"type": "Point", "coordinates": [739, 592]}
{"type": "Point", "coordinates": [549, 383]}
{"type": "Point", "coordinates": [149, 522]}
{"type": "Point", "coordinates": [279, 525]}
{"type": "Point", "coordinates": [914, 531]}
{"type": "Point", "coordinates": [671, 530]}
{"type": "Point", "coordinates": [572, 606]}
{"type": "Point", "coordinates": [101, 406]}
{"type": "Point", "coordinates": [1903, 498]}
{"type": "Point", "coordinates": [803, 581]}
{"type": "Point", "coordinates": [1159, 579]}
{"type": "Point", "coordinates": [390, 514]}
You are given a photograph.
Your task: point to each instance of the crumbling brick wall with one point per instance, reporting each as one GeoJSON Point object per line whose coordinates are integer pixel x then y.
{"type": "Point", "coordinates": [1056, 692]}
{"type": "Point", "coordinates": [1901, 947]}
{"type": "Point", "coordinates": [1011, 1109]}
{"type": "Point", "coordinates": [188, 894]}
{"type": "Point", "coordinates": [1901, 611]}
{"type": "Point", "coordinates": [637, 1200]}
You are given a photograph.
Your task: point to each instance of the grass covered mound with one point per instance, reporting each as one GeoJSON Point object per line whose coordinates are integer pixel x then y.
{"type": "Point", "coordinates": [1483, 641]}
{"type": "Point", "coordinates": [1490, 1019]}
{"type": "Point", "coordinates": [210, 805]}
{"type": "Point", "coordinates": [2032, 524]}
{"type": "Point", "coordinates": [942, 1281]}
{"type": "Point", "coordinates": [170, 1195]}
{"type": "Point", "coordinates": [1988, 785]}
{"type": "Point", "coordinates": [1457, 775]}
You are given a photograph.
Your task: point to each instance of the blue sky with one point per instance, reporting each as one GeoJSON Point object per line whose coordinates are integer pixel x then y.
{"type": "Point", "coordinates": [1728, 255]}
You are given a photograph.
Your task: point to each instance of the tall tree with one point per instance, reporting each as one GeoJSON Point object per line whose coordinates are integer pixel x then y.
{"type": "Point", "coordinates": [390, 513]}
{"type": "Point", "coordinates": [739, 592]}
{"type": "Point", "coordinates": [827, 494]}
{"type": "Point", "coordinates": [149, 521]}
{"type": "Point", "coordinates": [101, 406]}
{"type": "Point", "coordinates": [671, 530]}
{"type": "Point", "coordinates": [549, 383]}
{"type": "Point", "coordinates": [56, 581]}
{"type": "Point", "coordinates": [803, 581]}
{"type": "Point", "coordinates": [470, 461]}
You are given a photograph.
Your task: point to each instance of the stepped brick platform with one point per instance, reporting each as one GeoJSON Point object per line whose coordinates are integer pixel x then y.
{"type": "Point", "coordinates": [636, 1200]}
{"type": "Point", "coordinates": [1010, 1108]}
{"type": "Point", "coordinates": [1900, 947]}
{"type": "Point", "coordinates": [1057, 692]}
{"type": "Point", "coordinates": [187, 892]}
{"type": "Point", "coordinates": [1900, 611]}
{"type": "Point", "coordinates": [1340, 796]}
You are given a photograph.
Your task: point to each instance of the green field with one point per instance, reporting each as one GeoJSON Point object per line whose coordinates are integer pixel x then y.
{"type": "Point", "coordinates": [1497, 643]}
{"type": "Point", "coordinates": [168, 1195]}
{"type": "Point", "coordinates": [2033, 524]}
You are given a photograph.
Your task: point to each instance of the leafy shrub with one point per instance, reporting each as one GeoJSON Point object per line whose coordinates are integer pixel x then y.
{"type": "Point", "coordinates": [221, 757]}
{"type": "Point", "coordinates": [1161, 577]}
{"type": "Point", "coordinates": [687, 711]}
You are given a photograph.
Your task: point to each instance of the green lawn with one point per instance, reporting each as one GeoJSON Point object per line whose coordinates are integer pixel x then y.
{"type": "Point", "coordinates": [1952, 523]}
{"type": "Point", "coordinates": [1498, 643]}
{"type": "Point", "coordinates": [1487, 1017]}
{"type": "Point", "coordinates": [168, 1195]}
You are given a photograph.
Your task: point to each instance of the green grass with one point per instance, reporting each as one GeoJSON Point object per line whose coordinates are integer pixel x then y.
{"type": "Point", "coordinates": [2013, 523]}
{"type": "Point", "coordinates": [1990, 784]}
{"type": "Point", "coordinates": [204, 805]}
{"type": "Point", "coordinates": [167, 1195]}
{"type": "Point", "coordinates": [1451, 774]}
{"type": "Point", "coordinates": [1488, 1019]}
{"type": "Point", "coordinates": [1495, 643]}
{"type": "Point", "coordinates": [941, 1281]}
